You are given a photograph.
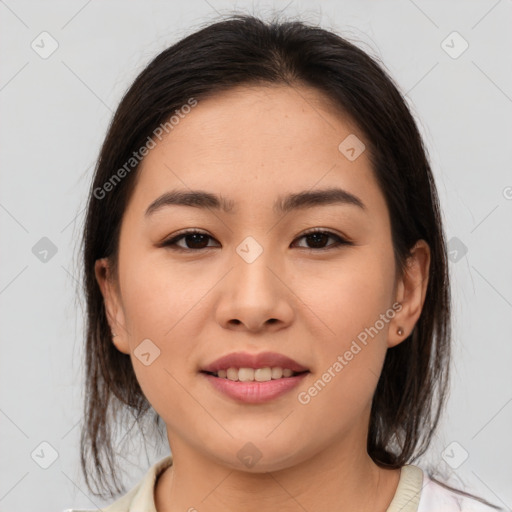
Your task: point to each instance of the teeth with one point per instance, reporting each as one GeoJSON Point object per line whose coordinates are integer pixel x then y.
{"type": "Point", "coordinates": [258, 374]}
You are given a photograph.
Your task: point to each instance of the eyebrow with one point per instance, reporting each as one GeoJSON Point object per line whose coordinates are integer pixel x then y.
{"type": "Point", "coordinates": [299, 200]}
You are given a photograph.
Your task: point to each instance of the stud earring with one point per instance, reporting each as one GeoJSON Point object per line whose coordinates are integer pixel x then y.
{"type": "Point", "coordinates": [114, 335]}
{"type": "Point", "coordinates": [399, 331]}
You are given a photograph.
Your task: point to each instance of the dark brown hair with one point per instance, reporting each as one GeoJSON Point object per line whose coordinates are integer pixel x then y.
{"type": "Point", "coordinates": [244, 50]}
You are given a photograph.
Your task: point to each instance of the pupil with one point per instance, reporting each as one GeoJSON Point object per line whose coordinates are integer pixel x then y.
{"type": "Point", "coordinates": [196, 239]}
{"type": "Point", "coordinates": [317, 236]}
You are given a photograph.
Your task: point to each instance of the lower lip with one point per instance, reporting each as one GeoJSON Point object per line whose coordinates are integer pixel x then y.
{"type": "Point", "coordinates": [255, 392]}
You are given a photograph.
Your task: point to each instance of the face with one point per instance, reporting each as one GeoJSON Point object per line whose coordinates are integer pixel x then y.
{"type": "Point", "coordinates": [253, 278]}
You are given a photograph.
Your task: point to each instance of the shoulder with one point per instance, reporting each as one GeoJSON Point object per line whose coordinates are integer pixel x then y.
{"type": "Point", "coordinates": [122, 504]}
{"type": "Point", "coordinates": [141, 496]}
{"type": "Point", "coordinates": [435, 497]}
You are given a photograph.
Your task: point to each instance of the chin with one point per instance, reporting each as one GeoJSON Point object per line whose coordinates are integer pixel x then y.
{"type": "Point", "coordinates": [260, 457]}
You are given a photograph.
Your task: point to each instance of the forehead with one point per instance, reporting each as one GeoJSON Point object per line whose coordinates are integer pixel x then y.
{"type": "Point", "coordinates": [261, 121]}
{"type": "Point", "coordinates": [249, 143]}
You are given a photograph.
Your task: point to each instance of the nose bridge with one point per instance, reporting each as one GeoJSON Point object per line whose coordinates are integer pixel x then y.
{"type": "Point", "coordinates": [254, 268]}
{"type": "Point", "coordinates": [253, 293]}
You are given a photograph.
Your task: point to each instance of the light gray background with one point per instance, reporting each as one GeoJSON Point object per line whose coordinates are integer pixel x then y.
{"type": "Point", "coordinates": [54, 115]}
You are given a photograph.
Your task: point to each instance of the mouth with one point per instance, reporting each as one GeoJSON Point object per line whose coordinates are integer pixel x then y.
{"type": "Point", "coordinates": [265, 374]}
{"type": "Point", "coordinates": [254, 378]}
{"type": "Point", "coordinates": [247, 366]}
{"type": "Point", "coordinates": [254, 385]}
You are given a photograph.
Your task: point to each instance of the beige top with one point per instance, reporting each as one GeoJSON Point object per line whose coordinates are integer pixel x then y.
{"type": "Point", "coordinates": [141, 497]}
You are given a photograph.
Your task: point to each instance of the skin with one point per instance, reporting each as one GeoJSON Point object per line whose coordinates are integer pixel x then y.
{"type": "Point", "coordinates": [251, 145]}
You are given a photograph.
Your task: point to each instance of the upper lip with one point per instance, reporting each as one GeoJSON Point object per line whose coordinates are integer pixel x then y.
{"type": "Point", "coordinates": [246, 360]}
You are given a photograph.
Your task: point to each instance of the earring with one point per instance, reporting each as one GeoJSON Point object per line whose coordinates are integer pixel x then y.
{"type": "Point", "coordinates": [399, 331]}
{"type": "Point", "coordinates": [114, 335]}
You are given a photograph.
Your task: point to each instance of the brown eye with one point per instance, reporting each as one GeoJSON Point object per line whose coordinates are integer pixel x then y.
{"type": "Point", "coordinates": [317, 239]}
{"type": "Point", "coordinates": [194, 240]}
{"type": "Point", "coordinates": [197, 240]}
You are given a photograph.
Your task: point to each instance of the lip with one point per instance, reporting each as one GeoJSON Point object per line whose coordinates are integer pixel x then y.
{"type": "Point", "coordinates": [246, 360]}
{"type": "Point", "coordinates": [255, 392]}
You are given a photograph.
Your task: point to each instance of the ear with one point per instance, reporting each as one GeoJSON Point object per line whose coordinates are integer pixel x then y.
{"type": "Point", "coordinates": [113, 306]}
{"type": "Point", "coordinates": [410, 292]}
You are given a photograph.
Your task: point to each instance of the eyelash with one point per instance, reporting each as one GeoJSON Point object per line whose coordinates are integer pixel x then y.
{"type": "Point", "coordinates": [171, 243]}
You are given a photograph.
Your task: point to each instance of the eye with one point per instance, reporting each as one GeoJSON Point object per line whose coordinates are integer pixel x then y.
{"type": "Point", "coordinates": [194, 240]}
{"type": "Point", "coordinates": [318, 237]}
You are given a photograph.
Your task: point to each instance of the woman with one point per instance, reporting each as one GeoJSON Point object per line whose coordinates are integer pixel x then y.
{"type": "Point", "coordinates": [265, 269]}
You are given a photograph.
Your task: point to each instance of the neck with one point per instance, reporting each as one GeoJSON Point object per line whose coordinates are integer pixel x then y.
{"type": "Point", "coordinates": [331, 479]}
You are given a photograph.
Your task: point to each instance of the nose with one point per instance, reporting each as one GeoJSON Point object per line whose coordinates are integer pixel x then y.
{"type": "Point", "coordinates": [255, 296]}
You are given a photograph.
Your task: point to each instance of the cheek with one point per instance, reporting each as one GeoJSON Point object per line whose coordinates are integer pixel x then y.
{"type": "Point", "coordinates": [166, 302]}
{"type": "Point", "coordinates": [353, 302]}
{"type": "Point", "coordinates": [159, 298]}
{"type": "Point", "coordinates": [349, 295]}
{"type": "Point", "coordinates": [157, 309]}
